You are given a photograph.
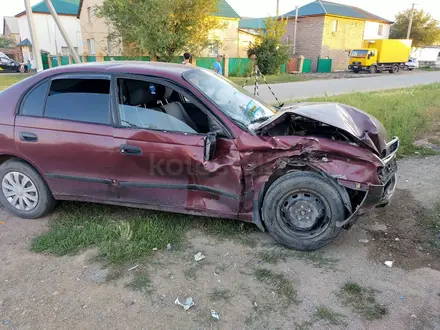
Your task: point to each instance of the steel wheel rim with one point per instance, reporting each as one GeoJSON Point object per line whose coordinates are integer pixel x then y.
{"type": "Point", "coordinates": [304, 213]}
{"type": "Point", "coordinates": [20, 191]}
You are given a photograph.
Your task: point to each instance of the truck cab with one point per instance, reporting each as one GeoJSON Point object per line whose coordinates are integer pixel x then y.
{"type": "Point", "coordinates": [362, 59]}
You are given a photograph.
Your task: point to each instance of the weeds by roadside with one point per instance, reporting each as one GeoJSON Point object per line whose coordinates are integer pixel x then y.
{"type": "Point", "coordinates": [275, 255]}
{"type": "Point", "coordinates": [432, 224]}
{"type": "Point", "coordinates": [326, 314]}
{"type": "Point", "coordinates": [141, 282]}
{"type": "Point", "coordinates": [220, 294]}
{"type": "Point", "coordinates": [278, 283]}
{"type": "Point", "coordinates": [362, 301]}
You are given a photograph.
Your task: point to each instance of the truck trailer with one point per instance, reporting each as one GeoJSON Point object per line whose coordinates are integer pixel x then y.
{"type": "Point", "coordinates": [381, 55]}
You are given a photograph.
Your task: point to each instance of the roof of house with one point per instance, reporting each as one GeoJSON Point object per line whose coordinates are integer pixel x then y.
{"type": "Point", "coordinates": [24, 43]}
{"type": "Point", "coordinates": [318, 8]}
{"type": "Point", "coordinates": [252, 23]}
{"type": "Point", "coordinates": [224, 9]}
{"type": "Point", "coordinates": [12, 24]}
{"type": "Point", "coordinates": [62, 7]}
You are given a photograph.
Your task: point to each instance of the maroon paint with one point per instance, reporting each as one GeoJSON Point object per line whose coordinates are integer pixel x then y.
{"type": "Point", "coordinates": [241, 166]}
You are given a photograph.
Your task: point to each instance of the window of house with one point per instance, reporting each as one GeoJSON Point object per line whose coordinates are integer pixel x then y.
{"type": "Point", "coordinates": [380, 29]}
{"type": "Point", "coordinates": [335, 26]}
{"type": "Point", "coordinates": [148, 105]}
{"type": "Point", "coordinates": [91, 46]}
{"type": "Point", "coordinates": [86, 100]}
{"type": "Point", "coordinates": [65, 51]}
{"type": "Point", "coordinates": [213, 48]}
{"type": "Point", "coordinates": [90, 14]}
{"type": "Point", "coordinates": [34, 102]}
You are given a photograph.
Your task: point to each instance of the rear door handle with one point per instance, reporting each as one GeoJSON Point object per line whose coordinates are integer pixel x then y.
{"type": "Point", "coordinates": [130, 150]}
{"type": "Point", "coordinates": [28, 137]}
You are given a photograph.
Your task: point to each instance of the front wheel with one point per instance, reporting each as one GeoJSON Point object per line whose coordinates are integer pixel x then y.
{"type": "Point", "coordinates": [373, 69]}
{"type": "Point", "coordinates": [23, 192]}
{"type": "Point", "coordinates": [301, 209]}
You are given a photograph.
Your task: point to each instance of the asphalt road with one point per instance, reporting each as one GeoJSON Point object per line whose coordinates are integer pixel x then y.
{"type": "Point", "coordinates": [314, 88]}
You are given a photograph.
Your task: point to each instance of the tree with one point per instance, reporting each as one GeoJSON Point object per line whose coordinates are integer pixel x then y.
{"type": "Point", "coordinates": [6, 42]}
{"type": "Point", "coordinates": [424, 29]}
{"type": "Point", "coordinates": [268, 49]}
{"type": "Point", "coordinates": [164, 28]}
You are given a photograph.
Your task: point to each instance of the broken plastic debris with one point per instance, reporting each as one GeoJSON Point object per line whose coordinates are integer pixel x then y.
{"type": "Point", "coordinates": [413, 316]}
{"type": "Point", "coordinates": [133, 268]}
{"type": "Point", "coordinates": [199, 256]}
{"type": "Point", "coordinates": [363, 240]}
{"type": "Point", "coordinates": [215, 315]}
{"type": "Point", "coordinates": [389, 263]}
{"type": "Point", "coordinates": [154, 249]}
{"type": "Point", "coordinates": [187, 305]}
{"type": "Point", "coordinates": [168, 246]}
{"type": "Point", "coordinates": [397, 239]}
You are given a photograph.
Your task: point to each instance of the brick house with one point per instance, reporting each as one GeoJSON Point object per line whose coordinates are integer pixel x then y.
{"type": "Point", "coordinates": [328, 29]}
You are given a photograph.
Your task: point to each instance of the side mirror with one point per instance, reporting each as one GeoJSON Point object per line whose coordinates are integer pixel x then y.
{"type": "Point", "coordinates": [210, 146]}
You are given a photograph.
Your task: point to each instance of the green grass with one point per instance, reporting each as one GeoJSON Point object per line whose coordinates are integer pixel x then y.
{"type": "Point", "coordinates": [121, 234]}
{"type": "Point", "coordinates": [362, 301]}
{"type": "Point", "coordinates": [220, 294]}
{"type": "Point", "coordinates": [278, 283]}
{"type": "Point", "coordinates": [7, 80]}
{"type": "Point", "coordinates": [271, 79]}
{"type": "Point", "coordinates": [229, 229]}
{"type": "Point", "coordinates": [407, 113]}
{"type": "Point", "coordinates": [432, 224]}
{"type": "Point", "coordinates": [141, 282]}
{"type": "Point", "coordinates": [329, 316]}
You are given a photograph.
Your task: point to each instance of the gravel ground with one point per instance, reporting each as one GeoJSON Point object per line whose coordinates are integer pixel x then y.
{"type": "Point", "coordinates": [75, 292]}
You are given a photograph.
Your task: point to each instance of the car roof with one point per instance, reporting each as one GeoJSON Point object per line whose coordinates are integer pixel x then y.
{"type": "Point", "coordinates": [160, 69]}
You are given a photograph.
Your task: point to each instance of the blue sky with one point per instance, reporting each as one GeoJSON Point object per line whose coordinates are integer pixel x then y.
{"type": "Point", "coordinates": [261, 8]}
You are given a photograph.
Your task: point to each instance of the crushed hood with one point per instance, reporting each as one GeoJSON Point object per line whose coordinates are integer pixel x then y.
{"type": "Point", "coordinates": [355, 122]}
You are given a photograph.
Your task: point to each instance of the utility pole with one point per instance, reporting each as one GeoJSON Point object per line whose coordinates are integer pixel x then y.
{"type": "Point", "coordinates": [278, 8]}
{"type": "Point", "coordinates": [35, 44]}
{"type": "Point", "coordinates": [294, 31]}
{"type": "Point", "coordinates": [410, 22]}
{"type": "Point", "coordinates": [61, 28]}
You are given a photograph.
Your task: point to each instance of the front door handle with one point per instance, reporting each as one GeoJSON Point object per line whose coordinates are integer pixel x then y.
{"type": "Point", "coordinates": [28, 137]}
{"type": "Point", "coordinates": [130, 150]}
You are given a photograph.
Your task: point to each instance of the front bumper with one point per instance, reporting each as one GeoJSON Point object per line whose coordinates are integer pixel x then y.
{"type": "Point", "coordinates": [378, 195]}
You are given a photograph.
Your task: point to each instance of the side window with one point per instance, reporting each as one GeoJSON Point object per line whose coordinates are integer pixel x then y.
{"type": "Point", "coordinates": [147, 105]}
{"type": "Point", "coordinates": [34, 102]}
{"type": "Point", "coordinates": [86, 100]}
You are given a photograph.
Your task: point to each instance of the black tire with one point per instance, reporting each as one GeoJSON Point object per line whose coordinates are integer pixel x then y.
{"type": "Point", "coordinates": [321, 192]}
{"type": "Point", "coordinates": [44, 199]}
{"type": "Point", "coordinates": [356, 71]}
{"type": "Point", "coordinates": [406, 68]}
{"type": "Point", "coordinates": [373, 69]}
{"type": "Point", "coordinates": [394, 69]}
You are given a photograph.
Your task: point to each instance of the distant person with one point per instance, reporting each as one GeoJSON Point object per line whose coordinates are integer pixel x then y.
{"type": "Point", "coordinates": [29, 66]}
{"type": "Point", "coordinates": [218, 65]}
{"type": "Point", "coordinates": [186, 59]}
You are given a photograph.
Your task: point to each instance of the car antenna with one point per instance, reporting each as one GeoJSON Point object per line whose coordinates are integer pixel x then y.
{"type": "Point", "coordinates": [256, 73]}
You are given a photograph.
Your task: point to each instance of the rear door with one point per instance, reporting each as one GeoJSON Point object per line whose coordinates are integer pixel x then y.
{"type": "Point", "coordinates": [64, 128]}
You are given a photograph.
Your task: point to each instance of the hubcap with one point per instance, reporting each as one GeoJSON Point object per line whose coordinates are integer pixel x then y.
{"type": "Point", "coordinates": [20, 191]}
{"type": "Point", "coordinates": [303, 212]}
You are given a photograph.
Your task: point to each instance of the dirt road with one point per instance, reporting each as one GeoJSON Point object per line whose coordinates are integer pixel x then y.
{"type": "Point", "coordinates": [250, 287]}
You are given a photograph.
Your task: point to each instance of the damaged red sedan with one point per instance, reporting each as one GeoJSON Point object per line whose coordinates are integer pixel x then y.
{"type": "Point", "coordinates": [182, 139]}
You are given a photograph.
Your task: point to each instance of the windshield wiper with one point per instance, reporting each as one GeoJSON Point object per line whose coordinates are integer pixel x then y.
{"type": "Point", "coordinates": [264, 118]}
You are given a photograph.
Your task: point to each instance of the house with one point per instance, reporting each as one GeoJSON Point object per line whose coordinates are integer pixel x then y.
{"type": "Point", "coordinates": [95, 32]}
{"type": "Point", "coordinates": [49, 37]}
{"type": "Point", "coordinates": [249, 30]}
{"type": "Point", "coordinates": [328, 29]}
{"type": "Point", "coordinates": [12, 32]}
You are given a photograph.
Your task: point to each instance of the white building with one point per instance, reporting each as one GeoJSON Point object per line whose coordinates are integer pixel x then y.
{"type": "Point", "coordinates": [49, 37]}
{"type": "Point", "coordinates": [376, 30]}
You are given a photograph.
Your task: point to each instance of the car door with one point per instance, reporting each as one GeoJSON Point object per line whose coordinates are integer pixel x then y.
{"type": "Point", "coordinates": [161, 161]}
{"type": "Point", "coordinates": [65, 129]}
{"type": "Point", "coordinates": [7, 65]}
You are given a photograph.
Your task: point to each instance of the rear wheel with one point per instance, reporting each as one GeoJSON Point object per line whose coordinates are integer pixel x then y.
{"type": "Point", "coordinates": [406, 68]}
{"type": "Point", "coordinates": [23, 192]}
{"type": "Point", "coordinates": [394, 69]}
{"type": "Point", "coordinates": [301, 209]}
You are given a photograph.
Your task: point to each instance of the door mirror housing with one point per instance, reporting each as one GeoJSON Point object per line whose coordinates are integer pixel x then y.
{"type": "Point", "coordinates": [210, 146]}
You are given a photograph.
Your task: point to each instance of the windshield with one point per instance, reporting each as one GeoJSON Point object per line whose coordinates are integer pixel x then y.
{"type": "Point", "coordinates": [233, 101]}
{"type": "Point", "coordinates": [359, 53]}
